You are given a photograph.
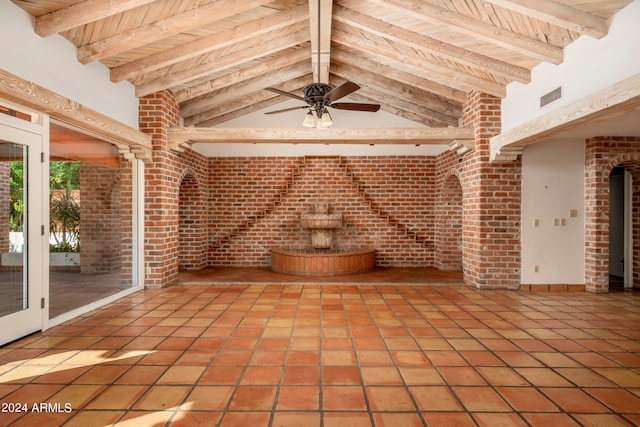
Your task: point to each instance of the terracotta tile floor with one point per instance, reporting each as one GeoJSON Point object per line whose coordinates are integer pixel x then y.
{"type": "Point", "coordinates": [324, 355]}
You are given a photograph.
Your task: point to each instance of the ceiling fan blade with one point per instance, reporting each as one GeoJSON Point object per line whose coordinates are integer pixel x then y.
{"type": "Point", "coordinates": [354, 106]}
{"type": "Point", "coordinates": [281, 92]}
{"type": "Point", "coordinates": [343, 90]}
{"type": "Point", "coordinates": [287, 109]}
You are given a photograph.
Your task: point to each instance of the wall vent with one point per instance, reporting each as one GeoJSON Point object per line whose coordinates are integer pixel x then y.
{"type": "Point", "coordinates": [548, 98]}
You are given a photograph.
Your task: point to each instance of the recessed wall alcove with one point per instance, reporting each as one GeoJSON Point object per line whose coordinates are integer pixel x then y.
{"type": "Point", "coordinates": [393, 204]}
{"type": "Point", "coordinates": [192, 234]}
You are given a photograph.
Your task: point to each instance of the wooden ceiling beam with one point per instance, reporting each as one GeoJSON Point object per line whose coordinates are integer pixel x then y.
{"type": "Point", "coordinates": [221, 63]}
{"type": "Point", "coordinates": [402, 111]}
{"type": "Point", "coordinates": [443, 110]}
{"type": "Point", "coordinates": [175, 24]}
{"type": "Point", "coordinates": [234, 109]}
{"type": "Point", "coordinates": [320, 21]}
{"type": "Point", "coordinates": [240, 89]}
{"type": "Point", "coordinates": [441, 73]}
{"type": "Point", "coordinates": [220, 110]}
{"type": "Point", "coordinates": [475, 28]}
{"type": "Point", "coordinates": [372, 67]}
{"type": "Point", "coordinates": [82, 13]}
{"type": "Point", "coordinates": [240, 108]}
{"type": "Point", "coordinates": [561, 15]}
{"type": "Point", "coordinates": [209, 43]}
{"type": "Point", "coordinates": [237, 76]}
{"type": "Point", "coordinates": [179, 136]}
{"type": "Point", "coordinates": [391, 102]}
{"type": "Point", "coordinates": [437, 48]}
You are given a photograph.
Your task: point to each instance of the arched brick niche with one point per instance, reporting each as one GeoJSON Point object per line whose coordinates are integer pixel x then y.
{"type": "Point", "coordinates": [192, 225]}
{"type": "Point", "coordinates": [449, 225]}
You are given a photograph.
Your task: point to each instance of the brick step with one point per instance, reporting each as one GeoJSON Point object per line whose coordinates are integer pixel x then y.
{"type": "Point", "coordinates": [389, 219]}
{"type": "Point", "coordinates": [253, 219]}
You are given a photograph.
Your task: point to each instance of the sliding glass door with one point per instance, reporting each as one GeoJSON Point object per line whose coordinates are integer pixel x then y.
{"type": "Point", "coordinates": [69, 222]}
{"type": "Point", "coordinates": [92, 227]}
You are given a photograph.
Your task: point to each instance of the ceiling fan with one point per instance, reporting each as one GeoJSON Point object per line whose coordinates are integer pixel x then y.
{"type": "Point", "coordinates": [320, 96]}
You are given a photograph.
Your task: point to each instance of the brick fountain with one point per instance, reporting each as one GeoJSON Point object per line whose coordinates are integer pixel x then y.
{"type": "Point", "coordinates": [321, 259]}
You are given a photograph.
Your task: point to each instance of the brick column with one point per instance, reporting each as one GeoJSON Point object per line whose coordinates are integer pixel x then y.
{"type": "Point", "coordinates": [163, 175]}
{"type": "Point", "coordinates": [157, 113]}
{"type": "Point", "coordinates": [602, 155]}
{"type": "Point", "coordinates": [491, 201]}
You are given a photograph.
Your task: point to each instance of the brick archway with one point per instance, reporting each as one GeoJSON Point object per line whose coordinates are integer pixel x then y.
{"type": "Point", "coordinates": [192, 227]}
{"type": "Point", "coordinates": [602, 155]}
{"type": "Point", "coordinates": [449, 227]}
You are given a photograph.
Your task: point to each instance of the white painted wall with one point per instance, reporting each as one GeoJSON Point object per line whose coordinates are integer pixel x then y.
{"type": "Point", "coordinates": [553, 170]}
{"type": "Point", "coordinates": [552, 186]}
{"type": "Point", "coordinates": [52, 63]}
{"type": "Point", "coordinates": [589, 65]}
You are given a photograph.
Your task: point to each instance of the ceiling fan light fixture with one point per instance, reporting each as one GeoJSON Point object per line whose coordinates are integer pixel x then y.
{"type": "Point", "coordinates": [325, 119]}
{"type": "Point", "coordinates": [309, 120]}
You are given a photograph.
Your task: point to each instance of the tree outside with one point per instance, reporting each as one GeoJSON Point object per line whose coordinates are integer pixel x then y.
{"type": "Point", "coordinates": [64, 182]}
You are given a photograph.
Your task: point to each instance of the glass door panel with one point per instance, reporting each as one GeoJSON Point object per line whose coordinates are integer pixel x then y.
{"type": "Point", "coordinates": [91, 226]}
{"type": "Point", "coordinates": [20, 219]}
{"type": "Point", "coordinates": [14, 292]}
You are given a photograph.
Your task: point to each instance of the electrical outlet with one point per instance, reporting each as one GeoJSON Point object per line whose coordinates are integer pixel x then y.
{"type": "Point", "coordinates": [573, 213]}
{"type": "Point", "coordinates": [563, 222]}
{"type": "Point", "coordinates": [556, 222]}
{"type": "Point", "coordinates": [536, 222]}
{"type": "Point", "coordinates": [536, 268]}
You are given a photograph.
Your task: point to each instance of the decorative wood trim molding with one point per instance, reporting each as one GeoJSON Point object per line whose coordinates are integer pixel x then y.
{"type": "Point", "coordinates": [507, 154]}
{"type": "Point", "coordinates": [179, 138]}
{"type": "Point", "coordinates": [462, 146]}
{"type": "Point", "coordinates": [615, 100]}
{"type": "Point", "coordinates": [23, 92]}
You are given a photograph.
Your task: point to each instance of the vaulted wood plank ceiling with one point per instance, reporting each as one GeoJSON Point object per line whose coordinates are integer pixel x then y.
{"type": "Point", "coordinates": [417, 58]}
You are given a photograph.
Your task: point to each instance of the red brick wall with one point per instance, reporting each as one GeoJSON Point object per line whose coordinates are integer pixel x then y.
{"type": "Point", "coordinates": [398, 205]}
{"type": "Point", "coordinates": [400, 187]}
{"type": "Point", "coordinates": [100, 228]}
{"type": "Point", "coordinates": [106, 214]}
{"type": "Point", "coordinates": [602, 155]}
